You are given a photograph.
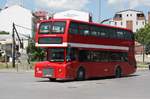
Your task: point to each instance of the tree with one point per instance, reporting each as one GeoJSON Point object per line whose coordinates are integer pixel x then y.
{"type": "Point", "coordinates": [143, 37]}
{"type": "Point", "coordinates": [3, 32]}
{"type": "Point", "coordinates": [35, 53]}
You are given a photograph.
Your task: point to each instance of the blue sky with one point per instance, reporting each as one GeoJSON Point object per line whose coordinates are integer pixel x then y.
{"type": "Point", "coordinates": [107, 7]}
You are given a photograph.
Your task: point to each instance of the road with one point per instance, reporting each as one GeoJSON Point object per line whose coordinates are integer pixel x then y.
{"type": "Point", "coordinates": [23, 85]}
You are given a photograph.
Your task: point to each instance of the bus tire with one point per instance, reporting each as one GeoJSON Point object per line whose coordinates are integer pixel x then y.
{"type": "Point", "coordinates": [81, 74]}
{"type": "Point", "coordinates": [118, 72]}
{"type": "Point", "coordinates": [52, 79]}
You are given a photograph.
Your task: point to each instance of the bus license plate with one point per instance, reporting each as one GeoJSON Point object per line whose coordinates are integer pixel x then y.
{"type": "Point", "coordinates": [48, 72]}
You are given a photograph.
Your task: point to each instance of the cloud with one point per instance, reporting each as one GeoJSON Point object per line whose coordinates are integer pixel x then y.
{"type": "Point", "coordinates": [128, 3]}
{"type": "Point", "coordinates": [112, 2]}
{"type": "Point", "coordinates": [13, 2]}
{"type": "Point", "coordinates": [62, 4]}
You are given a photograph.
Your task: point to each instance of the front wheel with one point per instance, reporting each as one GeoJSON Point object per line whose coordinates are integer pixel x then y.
{"type": "Point", "coordinates": [80, 74]}
{"type": "Point", "coordinates": [52, 79]}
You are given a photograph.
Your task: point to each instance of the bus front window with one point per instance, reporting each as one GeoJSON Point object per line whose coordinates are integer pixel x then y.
{"type": "Point", "coordinates": [45, 28]}
{"type": "Point", "coordinates": [58, 27]}
{"type": "Point", "coordinates": [56, 55]}
{"type": "Point", "coordinates": [52, 27]}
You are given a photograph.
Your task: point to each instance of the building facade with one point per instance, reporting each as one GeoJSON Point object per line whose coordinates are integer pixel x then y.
{"type": "Point", "coordinates": [131, 19]}
{"type": "Point", "coordinates": [22, 18]}
{"type": "Point", "coordinates": [18, 15]}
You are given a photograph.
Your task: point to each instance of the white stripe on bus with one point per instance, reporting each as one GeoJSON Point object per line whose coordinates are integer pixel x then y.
{"type": "Point", "coordinates": [81, 45]}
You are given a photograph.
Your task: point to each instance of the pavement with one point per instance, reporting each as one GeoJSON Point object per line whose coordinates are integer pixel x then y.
{"type": "Point", "coordinates": [23, 85]}
{"type": "Point", "coordinates": [16, 70]}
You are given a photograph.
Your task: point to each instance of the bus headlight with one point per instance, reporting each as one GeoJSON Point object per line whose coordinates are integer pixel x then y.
{"type": "Point", "coordinates": [60, 70]}
{"type": "Point", "coordinates": [38, 70]}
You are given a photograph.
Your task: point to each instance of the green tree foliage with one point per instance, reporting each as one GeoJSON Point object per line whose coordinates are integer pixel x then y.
{"type": "Point", "coordinates": [3, 32]}
{"type": "Point", "coordinates": [35, 53]}
{"type": "Point", "coordinates": [143, 37]}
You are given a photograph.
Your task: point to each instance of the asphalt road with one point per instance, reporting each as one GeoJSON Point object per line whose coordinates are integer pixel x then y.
{"type": "Point", "coordinates": [23, 85]}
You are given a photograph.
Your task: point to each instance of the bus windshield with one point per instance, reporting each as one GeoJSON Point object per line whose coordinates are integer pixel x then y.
{"type": "Point", "coordinates": [52, 28]}
{"type": "Point", "coordinates": [56, 55]}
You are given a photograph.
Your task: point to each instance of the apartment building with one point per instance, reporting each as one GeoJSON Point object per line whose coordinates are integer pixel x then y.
{"type": "Point", "coordinates": [131, 19]}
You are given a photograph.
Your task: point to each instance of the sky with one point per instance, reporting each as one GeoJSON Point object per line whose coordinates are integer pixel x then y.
{"type": "Point", "coordinates": [100, 9]}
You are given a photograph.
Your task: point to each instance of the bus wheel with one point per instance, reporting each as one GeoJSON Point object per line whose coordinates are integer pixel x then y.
{"type": "Point", "coordinates": [118, 72]}
{"type": "Point", "coordinates": [80, 74]}
{"type": "Point", "coordinates": [52, 79]}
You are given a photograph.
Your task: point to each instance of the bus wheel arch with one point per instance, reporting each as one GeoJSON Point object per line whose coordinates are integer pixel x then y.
{"type": "Point", "coordinates": [81, 73]}
{"type": "Point", "coordinates": [118, 72]}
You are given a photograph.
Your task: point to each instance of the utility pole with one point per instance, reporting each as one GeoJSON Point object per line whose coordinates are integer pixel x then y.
{"type": "Point", "coordinates": [14, 30]}
{"type": "Point", "coordinates": [13, 46]}
{"type": "Point", "coordinates": [99, 11]}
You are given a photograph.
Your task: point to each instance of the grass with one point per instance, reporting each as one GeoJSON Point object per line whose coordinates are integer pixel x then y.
{"type": "Point", "coordinates": [9, 65]}
{"type": "Point", "coordinates": [142, 65]}
{"type": "Point", "coordinates": [4, 65]}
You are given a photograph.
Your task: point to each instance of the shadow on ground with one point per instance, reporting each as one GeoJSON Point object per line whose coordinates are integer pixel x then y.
{"type": "Point", "coordinates": [91, 79]}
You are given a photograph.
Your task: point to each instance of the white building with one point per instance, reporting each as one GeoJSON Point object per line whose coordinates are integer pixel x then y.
{"type": "Point", "coordinates": [74, 14]}
{"type": "Point", "coordinates": [130, 19]}
{"type": "Point", "coordinates": [18, 15]}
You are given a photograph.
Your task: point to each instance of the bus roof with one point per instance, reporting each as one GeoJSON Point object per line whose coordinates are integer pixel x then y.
{"type": "Point", "coordinates": [91, 23]}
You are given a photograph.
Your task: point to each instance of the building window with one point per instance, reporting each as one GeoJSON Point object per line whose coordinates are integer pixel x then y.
{"type": "Point", "coordinates": [143, 23]}
{"type": "Point", "coordinates": [115, 23]}
{"type": "Point", "coordinates": [136, 22]}
{"type": "Point", "coordinates": [109, 22]}
{"type": "Point", "coordinates": [127, 15]}
{"type": "Point", "coordinates": [130, 14]}
{"type": "Point", "coordinates": [121, 23]}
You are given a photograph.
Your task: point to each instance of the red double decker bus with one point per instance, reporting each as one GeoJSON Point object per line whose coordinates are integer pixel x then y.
{"type": "Point", "coordinates": [81, 50]}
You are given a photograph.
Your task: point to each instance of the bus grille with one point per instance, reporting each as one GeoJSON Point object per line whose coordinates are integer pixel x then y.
{"type": "Point", "coordinates": [48, 72]}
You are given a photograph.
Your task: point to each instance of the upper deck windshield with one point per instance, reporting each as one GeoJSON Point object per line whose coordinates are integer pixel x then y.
{"type": "Point", "coordinates": [52, 28]}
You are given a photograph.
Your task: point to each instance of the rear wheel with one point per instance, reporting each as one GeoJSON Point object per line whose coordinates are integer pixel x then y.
{"type": "Point", "coordinates": [81, 74]}
{"type": "Point", "coordinates": [118, 72]}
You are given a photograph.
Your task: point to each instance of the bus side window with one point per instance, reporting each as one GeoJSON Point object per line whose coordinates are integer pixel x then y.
{"type": "Point", "coordinates": [94, 31]}
{"type": "Point", "coordinates": [104, 56]}
{"type": "Point", "coordinates": [84, 30]}
{"type": "Point", "coordinates": [84, 56]}
{"type": "Point", "coordinates": [125, 57]}
{"type": "Point", "coordinates": [103, 32]}
{"type": "Point", "coordinates": [73, 29]}
{"type": "Point", "coordinates": [120, 34]}
{"type": "Point", "coordinates": [112, 33]}
{"type": "Point", "coordinates": [128, 35]}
